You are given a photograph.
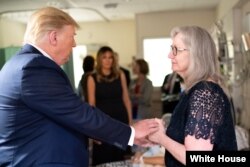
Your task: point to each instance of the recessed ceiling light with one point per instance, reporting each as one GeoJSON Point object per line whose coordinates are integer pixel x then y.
{"type": "Point", "coordinates": [110, 5]}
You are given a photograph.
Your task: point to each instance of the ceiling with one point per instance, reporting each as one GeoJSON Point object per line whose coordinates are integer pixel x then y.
{"type": "Point", "coordinates": [100, 10]}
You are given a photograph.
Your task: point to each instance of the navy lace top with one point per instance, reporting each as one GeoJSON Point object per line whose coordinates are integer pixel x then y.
{"type": "Point", "coordinates": [203, 112]}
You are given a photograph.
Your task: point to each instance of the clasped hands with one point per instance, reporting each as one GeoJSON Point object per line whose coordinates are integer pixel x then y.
{"type": "Point", "coordinates": [148, 132]}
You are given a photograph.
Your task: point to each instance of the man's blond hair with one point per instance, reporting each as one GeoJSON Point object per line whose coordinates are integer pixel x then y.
{"type": "Point", "coordinates": [45, 20]}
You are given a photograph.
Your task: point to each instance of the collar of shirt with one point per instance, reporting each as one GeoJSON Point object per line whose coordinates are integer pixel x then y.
{"type": "Point", "coordinates": [42, 51]}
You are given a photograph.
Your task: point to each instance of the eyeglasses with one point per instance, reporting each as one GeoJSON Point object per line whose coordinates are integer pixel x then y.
{"type": "Point", "coordinates": [175, 50]}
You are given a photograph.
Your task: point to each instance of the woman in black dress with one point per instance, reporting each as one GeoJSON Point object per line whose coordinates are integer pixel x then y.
{"type": "Point", "coordinates": [202, 120]}
{"type": "Point", "coordinates": [107, 90]}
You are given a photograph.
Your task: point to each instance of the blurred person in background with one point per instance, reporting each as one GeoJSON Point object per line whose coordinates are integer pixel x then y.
{"type": "Point", "coordinates": [107, 90]}
{"type": "Point", "coordinates": [125, 71]}
{"type": "Point", "coordinates": [88, 66]}
{"type": "Point", "coordinates": [171, 90]}
{"type": "Point", "coordinates": [141, 90]}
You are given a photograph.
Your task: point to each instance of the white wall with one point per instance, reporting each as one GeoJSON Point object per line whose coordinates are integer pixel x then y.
{"type": "Point", "coordinates": [120, 35]}
{"type": "Point", "coordinates": [159, 24]}
{"type": "Point", "coordinates": [225, 7]}
{"type": "Point", "coordinates": [123, 36]}
{"type": "Point", "coordinates": [11, 33]}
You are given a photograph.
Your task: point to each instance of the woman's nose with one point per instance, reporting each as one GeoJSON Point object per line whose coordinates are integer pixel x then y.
{"type": "Point", "coordinates": [170, 55]}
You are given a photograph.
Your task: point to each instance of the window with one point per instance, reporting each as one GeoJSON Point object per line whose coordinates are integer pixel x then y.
{"type": "Point", "coordinates": [79, 52]}
{"type": "Point", "coordinates": [156, 54]}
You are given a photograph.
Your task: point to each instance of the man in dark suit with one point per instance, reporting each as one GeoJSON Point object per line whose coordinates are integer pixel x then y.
{"type": "Point", "coordinates": [42, 121]}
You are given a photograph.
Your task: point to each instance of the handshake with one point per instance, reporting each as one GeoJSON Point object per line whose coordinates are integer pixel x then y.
{"type": "Point", "coordinates": [148, 132]}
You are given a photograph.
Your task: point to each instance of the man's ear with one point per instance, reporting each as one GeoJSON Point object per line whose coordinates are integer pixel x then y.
{"type": "Point", "coordinates": [53, 37]}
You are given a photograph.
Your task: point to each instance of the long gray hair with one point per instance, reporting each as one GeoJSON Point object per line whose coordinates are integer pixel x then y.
{"type": "Point", "coordinates": [204, 63]}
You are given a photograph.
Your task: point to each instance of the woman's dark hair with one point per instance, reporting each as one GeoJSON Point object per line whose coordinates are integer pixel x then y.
{"type": "Point", "coordinates": [115, 72]}
{"type": "Point", "coordinates": [88, 63]}
{"type": "Point", "coordinates": [143, 66]}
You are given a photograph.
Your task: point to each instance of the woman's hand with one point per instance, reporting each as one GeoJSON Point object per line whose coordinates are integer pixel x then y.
{"type": "Point", "coordinates": [158, 136]}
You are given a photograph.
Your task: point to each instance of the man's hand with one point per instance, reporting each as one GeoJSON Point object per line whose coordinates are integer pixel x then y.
{"type": "Point", "coordinates": [144, 128]}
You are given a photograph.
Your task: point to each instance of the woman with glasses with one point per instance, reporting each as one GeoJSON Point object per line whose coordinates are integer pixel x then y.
{"type": "Point", "coordinates": [202, 119]}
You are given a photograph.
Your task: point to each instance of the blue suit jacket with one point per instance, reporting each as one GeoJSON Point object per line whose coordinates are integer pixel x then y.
{"type": "Point", "coordinates": [42, 121]}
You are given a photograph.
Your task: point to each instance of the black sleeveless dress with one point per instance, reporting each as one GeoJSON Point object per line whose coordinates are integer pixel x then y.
{"type": "Point", "coordinates": [109, 100]}
{"type": "Point", "coordinates": [203, 112]}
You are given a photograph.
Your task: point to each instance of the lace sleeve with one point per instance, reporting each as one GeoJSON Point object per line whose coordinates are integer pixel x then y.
{"type": "Point", "coordinates": [205, 114]}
